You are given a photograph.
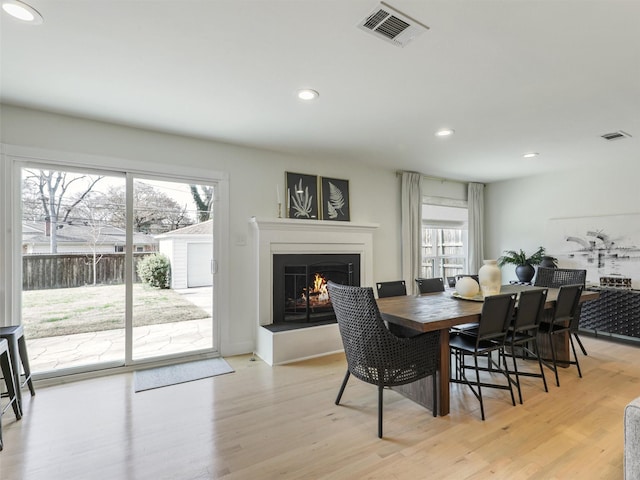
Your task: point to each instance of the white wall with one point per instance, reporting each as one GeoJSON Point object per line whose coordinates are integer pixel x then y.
{"type": "Point", "coordinates": [517, 211]}
{"type": "Point", "coordinates": [253, 176]}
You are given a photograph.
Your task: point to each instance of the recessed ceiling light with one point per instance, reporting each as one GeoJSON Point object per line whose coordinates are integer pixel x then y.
{"type": "Point", "coordinates": [530, 155]}
{"type": "Point", "coordinates": [307, 94]}
{"type": "Point", "coordinates": [444, 132]}
{"type": "Point", "coordinates": [21, 11]}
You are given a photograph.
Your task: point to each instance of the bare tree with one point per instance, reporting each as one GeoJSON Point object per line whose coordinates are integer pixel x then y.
{"type": "Point", "coordinates": [58, 193]}
{"type": "Point", "coordinates": [203, 198]}
{"type": "Point", "coordinates": [153, 212]}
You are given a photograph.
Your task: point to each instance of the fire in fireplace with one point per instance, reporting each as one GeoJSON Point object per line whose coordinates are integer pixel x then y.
{"type": "Point", "coordinates": [300, 285]}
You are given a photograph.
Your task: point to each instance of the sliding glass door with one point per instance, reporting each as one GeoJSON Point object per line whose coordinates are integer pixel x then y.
{"type": "Point", "coordinates": [173, 291]}
{"type": "Point", "coordinates": [117, 268]}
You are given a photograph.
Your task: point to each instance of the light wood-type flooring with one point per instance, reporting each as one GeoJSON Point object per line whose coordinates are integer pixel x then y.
{"type": "Point", "coordinates": [266, 423]}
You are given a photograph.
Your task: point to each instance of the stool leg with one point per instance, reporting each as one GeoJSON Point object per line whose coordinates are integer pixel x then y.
{"type": "Point", "coordinates": [15, 365]}
{"type": "Point", "coordinates": [24, 358]}
{"type": "Point", "coordinates": [12, 389]}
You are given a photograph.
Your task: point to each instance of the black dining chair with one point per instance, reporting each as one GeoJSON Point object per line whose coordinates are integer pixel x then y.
{"type": "Point", "coordinates": [523, 334]}
{"type": "Point", "coordinates": [563, 321]}
{"type": "Point", "coordinates": [497, 311]}
{"type": "Point", "coordinates": [391, 289]}
{"type": "Point", "coordinates": [397, 288]}
{"type": "Point", "coordinates": [430, 285]}
{"type": "Point", "coordinates": [556, 278]}
{"type": "Point", "coordinates": [374, 354]}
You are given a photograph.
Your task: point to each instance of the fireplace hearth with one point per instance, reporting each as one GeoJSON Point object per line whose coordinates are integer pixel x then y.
{"type": "Point", "coordinates": [300, 296]}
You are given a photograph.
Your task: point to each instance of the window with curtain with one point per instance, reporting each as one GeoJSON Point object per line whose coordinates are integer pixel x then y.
{"type": "Point", "coordinates": [444, 241]}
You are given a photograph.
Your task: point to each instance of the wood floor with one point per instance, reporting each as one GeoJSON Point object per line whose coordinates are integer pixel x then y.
{"type": "Point", "coordinates": [266, 423]}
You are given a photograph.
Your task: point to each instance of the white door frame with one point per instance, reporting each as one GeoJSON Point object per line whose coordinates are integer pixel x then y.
{"type": "Point", "coordinates": [13, 158]}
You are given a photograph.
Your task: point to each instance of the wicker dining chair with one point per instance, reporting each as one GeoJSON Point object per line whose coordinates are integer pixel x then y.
{"type": "Point", "coordinates": [374, 354]}
{"type": "Point", "coordinates": [563, 322]}
{"type": "Point", "coordinates": [556, 278]}
{"type": "Point", "coordinates": [430, 285]}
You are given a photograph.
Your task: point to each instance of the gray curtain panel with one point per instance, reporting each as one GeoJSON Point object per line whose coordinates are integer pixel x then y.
{"type": "Point", "coordinates": [475, 253]}
{"type": "Point", "coordinates": [411, 228]}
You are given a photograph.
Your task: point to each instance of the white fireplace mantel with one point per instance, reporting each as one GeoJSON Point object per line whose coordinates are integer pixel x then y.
{"type": "Point", "coordinates": [286, 236]}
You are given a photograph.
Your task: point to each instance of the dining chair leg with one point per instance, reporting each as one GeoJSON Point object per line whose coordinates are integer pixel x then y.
{"type": "Point", "coordinates": [380, 391]}
{"type": "Point", "coordinates": [553, 358]}
{"type": "Point", "coordinates": [581, 345]}
{"type": "Point", "coordinates": [506, 374]}
{"type": "Point", "coordinates": [475, 360]}
{"type": "Point", "coordinates": [344, 384]}
{"type": "Point", "coordinates": [573, 347]}
{"type": "Point", "coordinates": [544, 379]}
{"type": "Point", "coordinates": [515, 370]}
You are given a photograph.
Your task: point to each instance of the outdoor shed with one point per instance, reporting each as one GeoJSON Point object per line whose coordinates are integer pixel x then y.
{"type": "Point", "coordinates": [190, 251]}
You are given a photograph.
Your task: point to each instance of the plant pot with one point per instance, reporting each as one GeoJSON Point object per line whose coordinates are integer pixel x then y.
{"type": "Point", "coordinates": [525, 273]}
{"type": "Point", "coordinates": [548, 262]}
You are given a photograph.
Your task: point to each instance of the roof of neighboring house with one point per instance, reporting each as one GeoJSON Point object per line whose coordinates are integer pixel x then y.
{"type": "Point", "coordinates": [203, 228]}
{"type": "Point", "coordinates": [35, 232]}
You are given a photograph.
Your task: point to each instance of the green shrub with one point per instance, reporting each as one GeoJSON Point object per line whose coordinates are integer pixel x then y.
{"type": "Point", "coordinates": [155, 270]}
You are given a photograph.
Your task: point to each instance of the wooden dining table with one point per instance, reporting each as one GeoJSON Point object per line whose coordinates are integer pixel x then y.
{"type": "Point", "coordinates": [439, 312]}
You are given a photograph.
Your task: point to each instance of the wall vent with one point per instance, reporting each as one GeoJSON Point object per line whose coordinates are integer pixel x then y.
{"type": "Point", "coordinates": [389, 24]}
{"type": "Point", "coordinates": [616, 135]}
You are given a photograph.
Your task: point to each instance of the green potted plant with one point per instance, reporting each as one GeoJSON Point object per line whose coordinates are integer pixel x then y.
{"type": "Point", "coordinates": [524, 264]}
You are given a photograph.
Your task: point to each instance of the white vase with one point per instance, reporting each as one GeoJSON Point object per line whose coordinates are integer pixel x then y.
{"type": "Point", "coordinates": [490, 278]}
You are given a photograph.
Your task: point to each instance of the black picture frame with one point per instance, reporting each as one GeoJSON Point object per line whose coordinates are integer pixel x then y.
{"type": "Point", "coordinates": [301, 196]}
{"type": "Point", "coordinates": [334, 197]}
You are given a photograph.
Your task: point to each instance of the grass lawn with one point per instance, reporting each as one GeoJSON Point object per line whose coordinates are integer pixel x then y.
{"type": "Point", "coordinates": [64, 311]}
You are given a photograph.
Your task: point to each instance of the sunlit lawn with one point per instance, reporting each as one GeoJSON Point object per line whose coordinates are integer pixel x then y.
{"type": "Point", "coordinates": [64, 311]}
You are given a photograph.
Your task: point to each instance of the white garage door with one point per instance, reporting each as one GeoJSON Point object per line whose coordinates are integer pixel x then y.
{"type": "Point", "coordinates": [199, 257]}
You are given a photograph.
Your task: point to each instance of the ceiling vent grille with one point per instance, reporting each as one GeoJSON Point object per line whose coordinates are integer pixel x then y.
{"type": "Point", "coordinates": [391, 25]}
{"type": "Point", "coordinates": [616, 135]}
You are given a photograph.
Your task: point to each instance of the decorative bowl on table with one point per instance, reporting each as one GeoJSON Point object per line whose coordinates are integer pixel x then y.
{"type": "Point", "coordinates": [467, 287]}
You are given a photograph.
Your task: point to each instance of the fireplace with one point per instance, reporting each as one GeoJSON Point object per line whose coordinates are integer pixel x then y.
{"type": "Point", "coordinates": [285, 342]}
{"type": "Point", "coordinates": [300, 294]}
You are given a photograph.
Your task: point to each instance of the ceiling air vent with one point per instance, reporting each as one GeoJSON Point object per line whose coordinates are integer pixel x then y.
{"type": "Point", "coordinates": [616, 135]}
{"type": "Point", "coordinates": [392, 25]}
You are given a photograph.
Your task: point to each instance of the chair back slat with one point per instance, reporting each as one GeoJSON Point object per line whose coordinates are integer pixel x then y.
{"type": "Point", "coordinates": [391, 289]}
{"type": "Point", "coordinates": [530, 309]}
{"type": "Point", "coordinates": [430, 285]}
{"type": "Point", "coordinates": [496, 315]}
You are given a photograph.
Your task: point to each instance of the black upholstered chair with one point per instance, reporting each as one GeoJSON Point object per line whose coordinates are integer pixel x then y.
{"type": "Point", "coordinates": [556, 278]}
{"type": "Point", "coordinates": [495, 318]}
{"type": "Point", "coordinates": [374, 354]}
{"type": "Point", "coordinates": [396, 288]}
{"type": "Point", "coordinates": [564, 321]}
{"type": "Point", "coordinates": [391, 289]}
{"type": "Point", "coordinates": [523, 333]}
{"type": "Point", "coordinates": [7, 374]}
{"type": "Point", "coordinates": [430, 285]}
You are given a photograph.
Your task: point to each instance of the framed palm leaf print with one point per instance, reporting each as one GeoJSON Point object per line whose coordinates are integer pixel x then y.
{"type": "Point", "coordinates": [302, 196]}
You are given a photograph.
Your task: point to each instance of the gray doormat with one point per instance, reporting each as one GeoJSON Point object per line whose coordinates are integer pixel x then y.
{"type": "Point", "coordinates": [174, 374]}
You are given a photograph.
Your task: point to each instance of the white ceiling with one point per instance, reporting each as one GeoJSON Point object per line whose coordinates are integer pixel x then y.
{"type": "Point", "coordinates": [509, 77]}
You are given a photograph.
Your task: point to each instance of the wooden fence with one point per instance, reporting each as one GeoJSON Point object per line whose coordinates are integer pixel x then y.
{"type": "Point", "coordinates": [67, 270]}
